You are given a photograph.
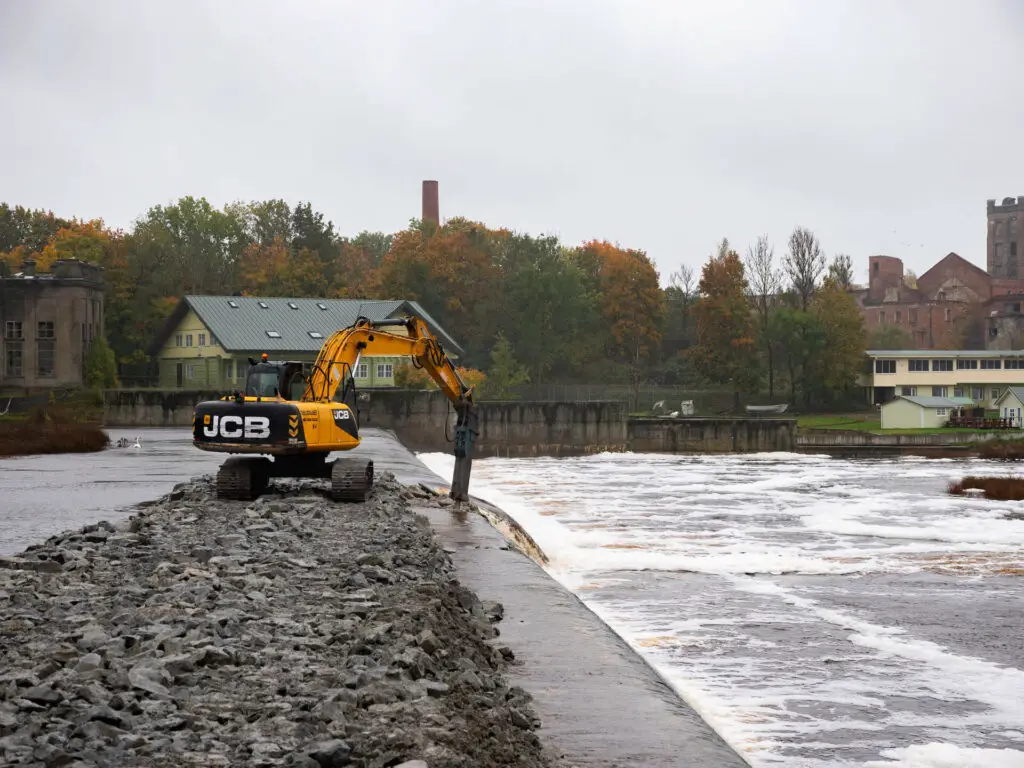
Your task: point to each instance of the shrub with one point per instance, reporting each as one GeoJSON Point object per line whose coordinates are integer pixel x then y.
{"type": "Point", "coordinates": [995, 488]}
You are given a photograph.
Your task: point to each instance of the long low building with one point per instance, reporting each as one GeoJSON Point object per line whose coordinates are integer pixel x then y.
{"type": "Point", "coordinates": [208, 340]}
{"type": "Point", "coordinates": [980, 375]}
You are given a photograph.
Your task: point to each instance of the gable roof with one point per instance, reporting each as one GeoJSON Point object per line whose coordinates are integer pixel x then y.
{"type": "Point", "coordinates": [952, 256]}
{"type": "Point", "coordinates": [1017, 392]}
{"type": "Point", "coordinates": [241, 323]}
{"type": "Point", "coordinates": [934, 402]}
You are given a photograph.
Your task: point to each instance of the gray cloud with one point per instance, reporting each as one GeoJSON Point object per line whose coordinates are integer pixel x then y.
{"type": "Point", "coordinates": [665, 126]}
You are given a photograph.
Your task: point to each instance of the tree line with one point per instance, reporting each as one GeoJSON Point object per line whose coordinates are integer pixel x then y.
{"type": "Point", "coordinates": [527, 309]}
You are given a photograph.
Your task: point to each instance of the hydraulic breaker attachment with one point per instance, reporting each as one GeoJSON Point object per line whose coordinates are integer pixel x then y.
{"type": "Point", "coordinates": [465, 435]}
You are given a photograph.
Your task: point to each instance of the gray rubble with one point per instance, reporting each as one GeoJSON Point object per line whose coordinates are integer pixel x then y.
{"type": "Point", "coordinates": [288, 631]}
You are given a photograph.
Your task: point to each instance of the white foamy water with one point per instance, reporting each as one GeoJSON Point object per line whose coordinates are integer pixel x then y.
{"type": "Point", "coordinates": [815, 611]}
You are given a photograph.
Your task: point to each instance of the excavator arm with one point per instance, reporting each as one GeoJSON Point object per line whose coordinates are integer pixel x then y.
{"type": "Point", "coordinates": [340, 355]}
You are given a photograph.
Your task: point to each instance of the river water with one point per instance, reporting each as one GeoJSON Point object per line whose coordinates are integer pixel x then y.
{"type": "Point", "coordinates": [816, 611]}
{"type": "Point", "coordinates": [44, 495]}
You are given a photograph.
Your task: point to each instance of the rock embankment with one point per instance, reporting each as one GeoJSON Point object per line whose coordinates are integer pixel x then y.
{"type": "Point", "coordinates": [288, 631]}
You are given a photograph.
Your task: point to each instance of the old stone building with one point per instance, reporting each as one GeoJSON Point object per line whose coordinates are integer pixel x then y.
{"type": "Point", "coordinates": [1006, 238]}
{"type": "Point", "coordinates": [48, 322]}
{"type": "Point", "coordinates": [955, 304]}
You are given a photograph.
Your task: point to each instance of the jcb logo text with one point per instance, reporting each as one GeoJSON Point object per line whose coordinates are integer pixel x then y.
{"type": "Point", "coordinates": [251, 427]}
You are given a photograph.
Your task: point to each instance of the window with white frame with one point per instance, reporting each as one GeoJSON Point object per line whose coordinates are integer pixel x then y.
{"type": "Point", "coordinates": [991, 365]}
{"type": "Point", "coordinates": [939, 391]}
{"type": "Point", "coordinates": [188, 339]}
{"type": "Point", "coordinates": [994, 393]}
{"type": "Point", "coordinates": [385, 370]}
{"type": "Point", "coordinates": [190, 371]}
{"type": "Point", "coordinates": [942, 365]}
{"type": "Point", "coordinates": [177, 340]}
{"type": "Point", "coordinates": [1014, 364]}
{"type": "Point", "coordinates": [940, 411]}
{"type": "Point", "coordinates": [967, 365]}
{"type": "Point", "coordinates": [977, 393]}
{"type": "Point", "coordinates": [885, 366]}
{"type": "Point", "coordinates": [908, 391]}
{"type": "Point", "coordinates": [361, 371]}
{"type": "Point", "coordinates": [202, 339]}
{"type": "Point", "coordinates": [917, 366]}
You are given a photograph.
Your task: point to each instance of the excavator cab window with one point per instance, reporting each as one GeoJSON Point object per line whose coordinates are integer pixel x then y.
{"type": "Point", "coordinates": [263, 381]}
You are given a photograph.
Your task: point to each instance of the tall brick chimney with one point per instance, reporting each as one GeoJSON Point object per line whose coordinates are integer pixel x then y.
{"type": "Point", "coordinates": [431, 209]}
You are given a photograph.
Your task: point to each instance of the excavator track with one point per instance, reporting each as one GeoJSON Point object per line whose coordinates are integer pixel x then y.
{"type": "Point", "coordinates": [351, 480]}
{"type": "Point", "coordinates": [242, 478]}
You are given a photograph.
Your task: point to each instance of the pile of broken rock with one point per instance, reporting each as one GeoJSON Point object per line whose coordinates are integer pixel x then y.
{"type": "Point", "coordinates": [288, 631]}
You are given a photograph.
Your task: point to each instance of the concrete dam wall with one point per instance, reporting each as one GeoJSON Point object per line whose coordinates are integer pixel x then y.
{"type": "Point", "coordinates": [424, 420]}
{"type": "Point", "coordinates": [711, 435]}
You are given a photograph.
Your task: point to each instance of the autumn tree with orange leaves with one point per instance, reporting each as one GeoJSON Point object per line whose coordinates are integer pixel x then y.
{"type": "Point", "coordinates": [450, 271]}
{"type": "Point", "coordinates": [724, 354]}
{"type": "Point", "coordinates": [632, 304]}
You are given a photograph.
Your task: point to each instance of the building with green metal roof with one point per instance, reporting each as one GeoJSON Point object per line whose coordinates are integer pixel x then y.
{"type": "Point", "coordinates": [207, 341]}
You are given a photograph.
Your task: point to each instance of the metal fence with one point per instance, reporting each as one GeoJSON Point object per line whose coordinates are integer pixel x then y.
{"type": "Point", "coordinates": [707, 402]}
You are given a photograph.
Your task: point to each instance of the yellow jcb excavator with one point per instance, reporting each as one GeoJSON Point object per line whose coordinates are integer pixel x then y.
{"type": "Point", "coordinates": [297, 413]}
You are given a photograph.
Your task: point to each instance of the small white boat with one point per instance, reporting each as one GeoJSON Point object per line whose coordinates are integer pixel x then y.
{"type": "Point", "coordinates": [778, 408]}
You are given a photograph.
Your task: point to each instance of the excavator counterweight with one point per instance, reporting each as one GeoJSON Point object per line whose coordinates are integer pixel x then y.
{"type": "Point", "coordinates": [292, 415]}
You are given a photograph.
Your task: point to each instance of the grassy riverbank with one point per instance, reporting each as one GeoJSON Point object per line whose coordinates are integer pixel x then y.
{"type": "Point", "coordinates": [868, 422]}
{"type": "Point", "coordinates": [68, 427]}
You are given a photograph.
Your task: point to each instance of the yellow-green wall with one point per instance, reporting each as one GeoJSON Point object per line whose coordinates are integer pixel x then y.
{"type": "Point", "coordinates": [207, 363]}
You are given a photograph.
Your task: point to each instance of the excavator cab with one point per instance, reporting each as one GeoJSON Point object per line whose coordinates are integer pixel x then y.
{"type": "Point", "coordinates": [271, 380]}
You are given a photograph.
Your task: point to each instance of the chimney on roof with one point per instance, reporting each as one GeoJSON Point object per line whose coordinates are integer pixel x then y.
{"type": "Point", "coordinates": [28, 267]}
{"type": "Point", "coordinates": [431, 209]}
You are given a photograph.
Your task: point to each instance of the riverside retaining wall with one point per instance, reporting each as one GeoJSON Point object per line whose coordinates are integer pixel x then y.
{"type": "Point", "coordinates": [424, 421]}
{"type": "Point", "coordinates": [841, 438]}
{"type": "Point", "coordinates": [711, 435]}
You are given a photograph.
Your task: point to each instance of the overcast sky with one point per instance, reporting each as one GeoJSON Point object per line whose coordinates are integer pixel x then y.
{"type": "Point", "coordinates": [664, 125]}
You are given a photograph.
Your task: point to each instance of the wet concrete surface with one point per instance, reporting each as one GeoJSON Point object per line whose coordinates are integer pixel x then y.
{"type": "Point", "coordinates": [600, 704]}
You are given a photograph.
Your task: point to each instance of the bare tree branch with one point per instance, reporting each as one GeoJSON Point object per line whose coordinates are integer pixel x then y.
{"type": "Point", "coordinates": [804, 264]}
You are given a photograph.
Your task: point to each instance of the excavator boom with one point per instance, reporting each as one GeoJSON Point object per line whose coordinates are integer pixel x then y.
{"type": "Point", "coordinates": [299, 413]}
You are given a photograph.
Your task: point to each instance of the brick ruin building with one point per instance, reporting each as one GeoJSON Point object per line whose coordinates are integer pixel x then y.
{"type": "Point", "coordinates": [955, 304]}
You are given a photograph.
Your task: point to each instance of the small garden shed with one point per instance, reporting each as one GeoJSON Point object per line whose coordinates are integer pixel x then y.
{"type": "Point", "coordinates": [920, 412]}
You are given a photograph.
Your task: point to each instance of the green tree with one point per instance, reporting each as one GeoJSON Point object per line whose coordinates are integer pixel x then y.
{"type": "Point", "coordinates": [800, 338]}
{"type": "Point", "coordinates": [840, 271]}
{"type": "Point", "coordinates": [844, 341]}
{"type": "Point", "coordinates": [190, 247]}
{"type": "Point", "coordinates": [374, 244]}
{"type": "Point", "coordinates": [544, 303]}
{"type": "Point", "coordinates": [100, 365]}
{"type": "Point", "coordinates": [724, 353]}
{"type": "Point", "coordinates": [505, 372]}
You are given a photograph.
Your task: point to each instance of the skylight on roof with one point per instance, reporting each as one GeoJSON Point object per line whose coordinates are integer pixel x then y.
{"type": "Point", "coordinates": [315, 334]}
{"type": "Point", "coordinates": [274, 334]}
{"type": "Point", "coordinates": [264, 305]}
{"type": "Point", "coordinates": [321, 305]}
{"type": "Point", "coordinates": [293, 305]}
{"type": "Point", "coordinates": [232, 304]}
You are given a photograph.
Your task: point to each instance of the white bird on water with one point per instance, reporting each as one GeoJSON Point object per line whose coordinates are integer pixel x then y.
{"type": "Point", "coordinates": [138, 441]}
